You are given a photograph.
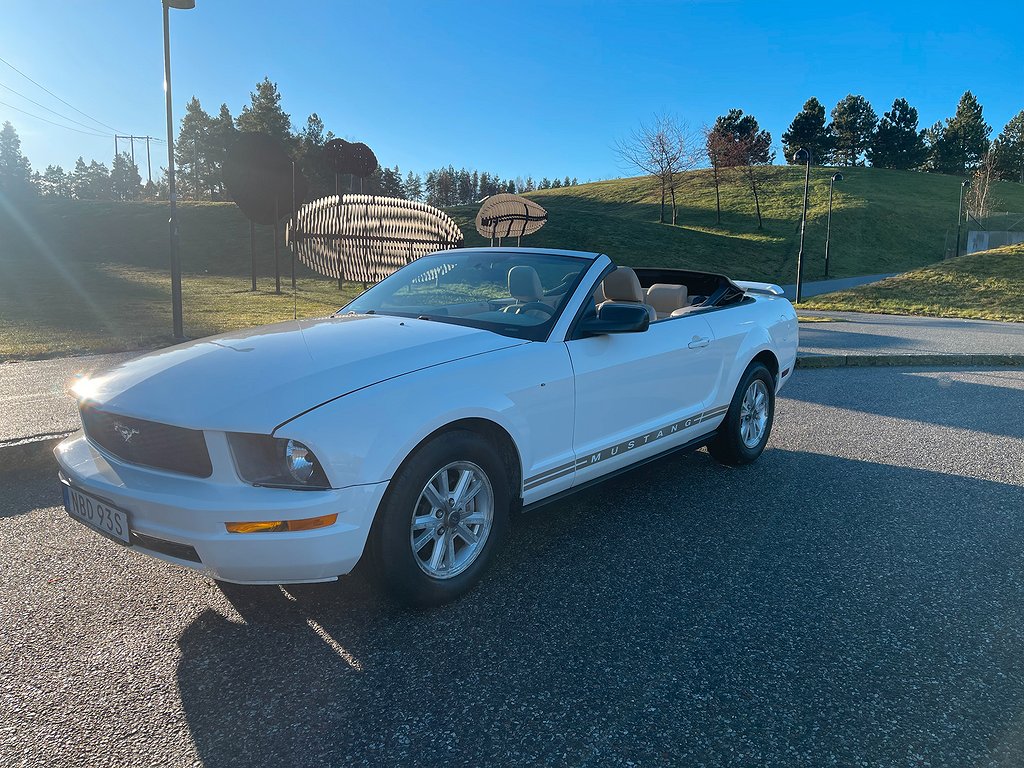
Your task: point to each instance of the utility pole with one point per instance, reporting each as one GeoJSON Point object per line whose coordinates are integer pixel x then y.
{"type": "Point", "coordinates": [149, 165]}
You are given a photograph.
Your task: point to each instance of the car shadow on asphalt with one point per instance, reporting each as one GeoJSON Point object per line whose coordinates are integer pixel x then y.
{"type": "Point", "coordinates": [676, 615]}
{"type": "Point", "coordinates": [23, 491]}
{"type": "Point", "coordinates": [925, 395]}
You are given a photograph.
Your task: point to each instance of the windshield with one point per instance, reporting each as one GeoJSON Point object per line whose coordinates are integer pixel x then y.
{"type": "Point", "coordinates": [516, 294]}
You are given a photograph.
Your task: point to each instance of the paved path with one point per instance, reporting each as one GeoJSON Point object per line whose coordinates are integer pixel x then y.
{"type": "Point", "coordinates": [866, 334]}
{"type": "Point", "coordinates": [818, 287]}
{"type": "Point", "coordinates": [852, 598]}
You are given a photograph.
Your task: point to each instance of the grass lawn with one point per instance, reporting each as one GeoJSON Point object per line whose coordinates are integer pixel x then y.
{"type": "Point", "coordinates": [92, 276]}
{"type": "Point", "coordinates": [64, 292]}
{"type": "Point", "coordinates": [988, 286]}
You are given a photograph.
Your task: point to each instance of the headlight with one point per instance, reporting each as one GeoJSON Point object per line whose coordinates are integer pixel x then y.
{"type": "Point", "coordinates": [300, 461]}
{"type": "Point", "coordinates": [276, 462]}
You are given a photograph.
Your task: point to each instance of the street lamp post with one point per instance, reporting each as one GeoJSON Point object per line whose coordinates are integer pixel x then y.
{"type": "Point", "coordinates": [802, 156]}
{"type": "Point", "coordinates": [828, 227]}
{"type": "Point", "coordinates": [960, 212]}
{"type": "Point", "coordinates": [179, 333]}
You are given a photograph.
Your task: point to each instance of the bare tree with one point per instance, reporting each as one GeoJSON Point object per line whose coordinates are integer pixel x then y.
{"type": "Point", "coordinates": [979, 200]}
{"type": "Point", "coordinates": [664, 149]}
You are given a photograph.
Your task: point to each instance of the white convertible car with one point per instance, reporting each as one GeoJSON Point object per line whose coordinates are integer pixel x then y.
{"type": "Point", "coordinates": [408, 427]}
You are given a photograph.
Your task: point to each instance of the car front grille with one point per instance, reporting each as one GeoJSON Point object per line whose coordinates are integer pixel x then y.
{"type": "Point", "coordinates": [148, 443]}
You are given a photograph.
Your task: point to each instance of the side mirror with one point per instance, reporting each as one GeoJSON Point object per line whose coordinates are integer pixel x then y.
{"type": "Point", "coordinates": [616, 318]}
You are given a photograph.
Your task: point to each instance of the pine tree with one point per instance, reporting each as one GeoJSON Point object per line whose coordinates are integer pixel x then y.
{"type": "Point", "coordinates": [15, 169]}
{"type": "Point", "coordinates": [897, 142]}
{"type": "Point", "coordinates": [738, 141]}
{"type": "Point", "coordinates": [808, 130]}
{"type": "Point", "coordinates": [222, 131]}
{"type": "Point", "coordinates": [195, 177]}
{"type": "Point", "coordinates": [79, 179]}
{"type": "Point", "coordinates": [54, 182]}
{"type": "Point", "coordinates": [961, 143]}
{"type": "Point", "coordinates": [1008, 149]}
{"type": "Point", "coordinates": [90, 182]}
{"type": "Point", "coordinates": [853, 124]}
{"type": "Point", "coordinates": [125, 180]}
{"type": "Point", "coordinates": [413, 186]}
{"type": "Point", "coordinates": [391, 182]}
{"type": "Point", "coordinates": [264, 113]}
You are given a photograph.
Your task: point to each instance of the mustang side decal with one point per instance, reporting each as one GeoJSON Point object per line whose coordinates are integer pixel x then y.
{"type": "Point", "coordinates": [623, 447]}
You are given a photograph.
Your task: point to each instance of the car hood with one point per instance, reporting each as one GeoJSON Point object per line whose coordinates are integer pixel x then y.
{"type": "Point", "coordinates": [255, 380]}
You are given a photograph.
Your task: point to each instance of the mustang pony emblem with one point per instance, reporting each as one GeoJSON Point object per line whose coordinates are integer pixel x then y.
{"type": "Point", "coordinates": [125, 432]}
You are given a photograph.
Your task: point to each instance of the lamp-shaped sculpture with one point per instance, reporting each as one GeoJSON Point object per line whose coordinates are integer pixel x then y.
{"type": "Point", "coordinates": [828, 226]}
{"type": "Point", "coordinates": [960, 212]}
{"type": "Point", "coordinates": [802, 156]}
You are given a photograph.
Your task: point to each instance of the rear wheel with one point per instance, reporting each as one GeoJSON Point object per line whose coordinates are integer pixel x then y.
{"type": "Point", "coordinates": [747, 426]}
{"type": "Point", "coordinates": [444, 516]}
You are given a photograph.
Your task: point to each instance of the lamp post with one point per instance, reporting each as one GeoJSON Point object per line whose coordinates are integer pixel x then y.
{"type": "Point", "coordinates": [802, 156]}
{"type": "Point", "coordinates": [828, 227]}
{"type": "Point", "coordinates": [960, 212]}
{"type": "Point", "coordinates": [182, 5]}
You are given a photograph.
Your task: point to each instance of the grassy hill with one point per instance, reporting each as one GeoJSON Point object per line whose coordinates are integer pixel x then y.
{"type": "Point", "coordinates": [988, 285]}
{"type": "Point", "coordinates": [882, 221]}
{"type": "Point", "coordinates": [93, 276]}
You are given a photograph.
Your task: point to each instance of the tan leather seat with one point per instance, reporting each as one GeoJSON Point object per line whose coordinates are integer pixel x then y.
{"type": "Point", "coordinates": [666, 298]}
{"type": "Point", "coordinates": [524, 284]}
{"type": "Point", "coordinates": [623, 287]}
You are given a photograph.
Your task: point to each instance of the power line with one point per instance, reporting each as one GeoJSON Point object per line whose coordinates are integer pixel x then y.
{"type": "Point", "coordinates": [51, 122]}
{"type": "Point", "coordinates": [58, 98]}
{"type": "Point", "coordinates": [52, 111]}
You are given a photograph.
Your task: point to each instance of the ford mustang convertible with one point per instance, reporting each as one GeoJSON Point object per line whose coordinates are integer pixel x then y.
{"type": "Point", "coordinates": [407, 428]}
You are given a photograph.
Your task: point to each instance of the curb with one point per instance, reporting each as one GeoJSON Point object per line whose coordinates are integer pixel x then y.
{"type": "Point", "coordinates": [866, 361]}
{"type": "Point", "coordinates": [31, 453]}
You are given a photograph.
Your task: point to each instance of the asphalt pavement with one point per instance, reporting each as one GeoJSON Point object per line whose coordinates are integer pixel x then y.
{"type": "Point", "coordinates": [34, 398]}
{"type": "Point", "coordinates": [853, 598]}
{"type": "Point", "coordinates": [857, 333]}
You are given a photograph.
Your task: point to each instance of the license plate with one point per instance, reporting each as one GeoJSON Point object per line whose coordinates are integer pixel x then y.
{"type": "Point", "coordinates": [101, 517]}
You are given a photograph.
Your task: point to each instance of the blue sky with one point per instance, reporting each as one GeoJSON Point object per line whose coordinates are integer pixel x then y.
{"type": "Point", "coordinates": [539, 88]}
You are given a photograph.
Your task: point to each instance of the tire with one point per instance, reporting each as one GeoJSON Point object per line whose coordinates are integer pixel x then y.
{"type": "Point", "coordinates": [411, 558]}
{"type": "Point", "coordinates": [743, 434]}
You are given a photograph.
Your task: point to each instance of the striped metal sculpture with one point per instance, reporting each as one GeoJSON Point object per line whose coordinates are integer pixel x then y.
{"type": "Point", "coordinates": [508, 215]}
{"type": "Point", "coordinates": [364, 238]}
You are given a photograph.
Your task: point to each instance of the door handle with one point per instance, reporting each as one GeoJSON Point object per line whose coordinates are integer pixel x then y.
{"type": "Point", "coordinates": [699, 341]}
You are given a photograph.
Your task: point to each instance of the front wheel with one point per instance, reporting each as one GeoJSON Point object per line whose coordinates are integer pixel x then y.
{"type": "Point", "coordinates": [744, 432]}
{"type": "Point", "coordinates": [442, 519]}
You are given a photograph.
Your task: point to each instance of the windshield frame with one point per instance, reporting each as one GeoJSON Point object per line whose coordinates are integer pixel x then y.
{"type": "Point", "coordinates": [538, 332]}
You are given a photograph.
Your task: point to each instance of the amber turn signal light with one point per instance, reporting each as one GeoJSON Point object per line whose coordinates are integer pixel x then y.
{"type": "Point", "coordinates": [278, 526]}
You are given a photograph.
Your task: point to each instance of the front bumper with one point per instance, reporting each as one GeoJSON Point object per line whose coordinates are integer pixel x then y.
{"type": "Point", "coordinates": [170, 513]}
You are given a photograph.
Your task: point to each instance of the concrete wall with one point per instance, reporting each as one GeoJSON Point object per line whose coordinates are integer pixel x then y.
{"type": "Point", "coordinates": [982, 240]}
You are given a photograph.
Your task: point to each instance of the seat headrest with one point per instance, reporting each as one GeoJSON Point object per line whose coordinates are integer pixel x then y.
{"type": "Point", "coordinates": [623, 285]}
{"type": "Point", "coordinates": [666, 298]}
{"type": "Point", "coordinates": [524, 284]}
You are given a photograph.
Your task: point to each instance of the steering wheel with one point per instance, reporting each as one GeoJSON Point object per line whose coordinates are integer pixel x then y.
{"type": "Point", "coordinates": [518, 309]}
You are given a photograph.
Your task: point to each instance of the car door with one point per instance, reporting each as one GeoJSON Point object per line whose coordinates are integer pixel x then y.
{"type": "Point", "coordinates": [638, 394]}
